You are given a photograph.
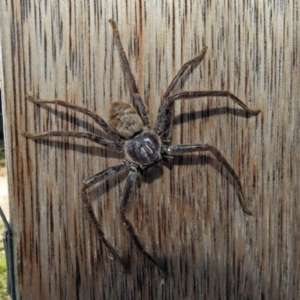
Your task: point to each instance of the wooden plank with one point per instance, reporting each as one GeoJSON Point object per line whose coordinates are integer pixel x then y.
{"type": "Point", "coordinates": [189, 217]}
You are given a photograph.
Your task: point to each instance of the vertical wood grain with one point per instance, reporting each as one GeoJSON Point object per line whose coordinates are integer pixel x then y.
{"type": "Point", "coordinates": [188, 217]}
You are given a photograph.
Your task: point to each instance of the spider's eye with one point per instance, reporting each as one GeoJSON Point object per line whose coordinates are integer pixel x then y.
{"type": "Point", "coordinates": [149, 146]}
{"type": "Point", "coordinates": [144, 149]}
{"type": "Point", "coordinates": [125, 119]}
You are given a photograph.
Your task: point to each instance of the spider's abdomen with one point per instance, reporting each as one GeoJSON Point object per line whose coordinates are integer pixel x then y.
{"type": "Point", "coordinates": [124, 119]}
{"type": "Point", "coordinates": [144, 149]}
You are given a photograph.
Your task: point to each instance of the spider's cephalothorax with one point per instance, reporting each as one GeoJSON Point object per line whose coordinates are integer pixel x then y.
{"type": "Point", "coordinates": [142, 146]}
{"type": "Point", "coordinates": [144, 149]}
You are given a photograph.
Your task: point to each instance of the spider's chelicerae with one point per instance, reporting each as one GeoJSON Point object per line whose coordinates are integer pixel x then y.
{"type": "Point", "coordinates": [143, 147]}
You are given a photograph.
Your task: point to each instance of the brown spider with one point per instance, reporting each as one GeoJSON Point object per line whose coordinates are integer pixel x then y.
{"type": "Point", "coordinates": [143, 147]}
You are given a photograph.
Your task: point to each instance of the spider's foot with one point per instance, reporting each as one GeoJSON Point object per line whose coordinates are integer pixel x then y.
{"type": "Point", "coordinates": [28, 135]}
{"type": "Point", "coordinates": [113, 24]}
{"type": "Point", "coordinates": [244, 204]}
{"type": "Point", "coordinates": [165, 275]}
{"type": "Point", "coordinates": [124, 262]}
{"type": "Point", "coordinates": [204, 49]}
{"type": "Point", "coordinates": [247, 211]}
{"type": "Point", "coordinates": [125, 267]}
{"type": "Point", "coordinates": [162, 268]}
{"type": "Point", "coordinates": [30, 98]}
{"type": "Point", "coordinates": [254, 111]}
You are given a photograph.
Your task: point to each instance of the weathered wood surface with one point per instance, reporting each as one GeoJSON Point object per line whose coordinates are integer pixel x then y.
{"type": "Point", "coordinates": [188, 217]}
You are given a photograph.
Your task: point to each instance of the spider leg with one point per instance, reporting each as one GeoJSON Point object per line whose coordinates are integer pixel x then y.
{"type": "Point", "coordinates": [138, 102]}
{"type": "Point", "coordinates": [93, 137]}
{"type": "Point", "coordinates": [182, 70]}
{"type": "Point", "coordinates": [198, 94]}
{"type": "Point", "coordinates": [166, 110]}
{"type": "Point", "coordinates": [112, 171]}
{"type": "Point", "coordinates": [181, 149]}
{"type": "Point", "coordinates": [105, 126]}
{"type": "Point", "coordinates": [127, 194]}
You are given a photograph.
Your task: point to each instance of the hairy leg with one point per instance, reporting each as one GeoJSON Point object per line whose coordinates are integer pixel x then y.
{"type": "Point", "coordinates": [138, 102]}
{"type": "Point", "coordinates": [106, 174]}
{"type": "Point", "coordinates": [106, 127]}
{"type": "Point", "coordinates": [198, 94]}
{"type": "Point", "coordinates": [163, 125]}
{"type": "Point", "coordinates": [92, 137]}
{"type": "Point", "coordinates": [182, 71]}
{"type": "Point", "coordinates": [127, 194]}
{"type": "Point", "coordinates": [182, 149]}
